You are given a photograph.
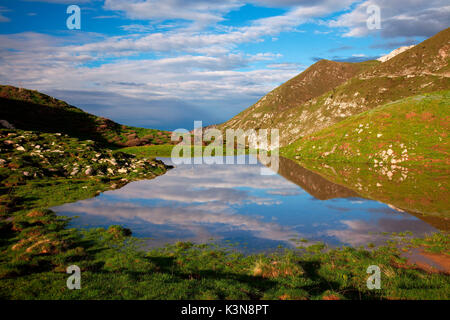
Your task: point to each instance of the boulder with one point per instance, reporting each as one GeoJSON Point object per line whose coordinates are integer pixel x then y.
{"type": "Point", "coordinates": [6, 124]}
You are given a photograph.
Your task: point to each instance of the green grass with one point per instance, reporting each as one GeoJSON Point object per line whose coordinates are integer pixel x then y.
{"type": "Point", "coordinates": [112, 267]}
{"type": "Point", "coordinates": [411, 131]}
{"type": "Point", "coordinates": [164, 151]}
{"type": "Point", "coordinates": [150, 151]}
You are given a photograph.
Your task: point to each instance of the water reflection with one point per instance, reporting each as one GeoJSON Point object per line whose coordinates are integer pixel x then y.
{"type": "Point", "coordinates": [235, 203]}
{"type": "Point", "coordinates": [313, 183]}
{"type": "Point", "coordinates": [422, 191]}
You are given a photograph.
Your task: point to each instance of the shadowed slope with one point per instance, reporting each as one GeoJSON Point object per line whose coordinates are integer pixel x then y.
{"type": "Point", "coordinates": [34, 111]}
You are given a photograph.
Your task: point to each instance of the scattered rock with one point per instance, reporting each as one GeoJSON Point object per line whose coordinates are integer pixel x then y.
{"type": "Point", "coordinates": [89, 171]}
{"type": "Point", "coordinates": [6, 124]}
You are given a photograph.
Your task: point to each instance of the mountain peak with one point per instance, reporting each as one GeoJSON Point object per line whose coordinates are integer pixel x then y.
{"type": "Point", "coordinates": [328, 91]}
{"type": "Point", "coordinates": [394, 53]}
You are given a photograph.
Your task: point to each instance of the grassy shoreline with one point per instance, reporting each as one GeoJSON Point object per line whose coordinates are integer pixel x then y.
{"type": "Point", "coordinates": [37, 246]}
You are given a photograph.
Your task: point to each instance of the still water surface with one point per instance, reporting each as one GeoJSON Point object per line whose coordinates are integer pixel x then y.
{"type": "Point", "coordinates": [235, 203]}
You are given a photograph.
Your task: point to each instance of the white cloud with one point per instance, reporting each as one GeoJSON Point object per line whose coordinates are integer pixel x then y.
{"type": "Point", "coordinates": [61, 1]}
{"type": "Point", "coordinates": [136, 28]}
{"type": "Point", "coordinates": [203, 12]}
{"type": "Point", "coordinates": [2, 17]}
{"type": "Point", "coordinates": [212, 83]}
{"type": "Point", "coordinates": [402, 18]}
{"type": "Point", "coordinates": [360, 232]}
{"type": "Point", "coordinates": [201, 67]}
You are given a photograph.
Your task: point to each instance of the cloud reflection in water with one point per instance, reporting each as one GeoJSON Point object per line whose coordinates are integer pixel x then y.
{"type": "Point", "coordinates": [234, 202]}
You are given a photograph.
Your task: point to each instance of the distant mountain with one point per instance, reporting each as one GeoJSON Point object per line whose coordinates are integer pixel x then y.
{"type": "Point", "coordinates": [329, 92]}
{"type": "Point", "coordinates": [35, 111]}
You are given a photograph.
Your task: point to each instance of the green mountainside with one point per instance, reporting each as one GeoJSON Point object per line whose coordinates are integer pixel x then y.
{"type": "Point", "coordinates": [329, 92]}
{"type": "Point", "coordinates": [397, 153]}
{"type": "Point", "coordinates": [34, 111]}
{"type": "Point", "coordinates": [413, 130]}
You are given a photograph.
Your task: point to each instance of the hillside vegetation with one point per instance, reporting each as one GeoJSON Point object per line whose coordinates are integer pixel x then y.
{"type": "Point", "coordinates": [297, 110]}
{"type": "Point", "coordinates": [34, 111]}
{"type": "Point", "coordinates": [410, 131]}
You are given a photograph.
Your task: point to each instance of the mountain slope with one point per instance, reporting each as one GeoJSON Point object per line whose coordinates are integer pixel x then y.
{"type": "Point", "coordinates": [35, 111]}
{"type": "Point", "coordinates": [409, 131]}
{"type": "Point", "coordinates": [313, 82]}
{"type": "Point", "coordinates": [421, 69]}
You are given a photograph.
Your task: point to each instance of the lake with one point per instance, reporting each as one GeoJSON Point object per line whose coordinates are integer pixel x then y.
{"type": "Point", "coordinates": [236, 204]}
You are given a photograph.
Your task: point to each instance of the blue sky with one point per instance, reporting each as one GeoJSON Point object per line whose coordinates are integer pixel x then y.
{"type": "Point", "coordinates": [164, 64]}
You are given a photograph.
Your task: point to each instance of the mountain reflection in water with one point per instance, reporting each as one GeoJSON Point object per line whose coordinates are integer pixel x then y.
{"type": "Point", "coordinates": [236, 203]}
